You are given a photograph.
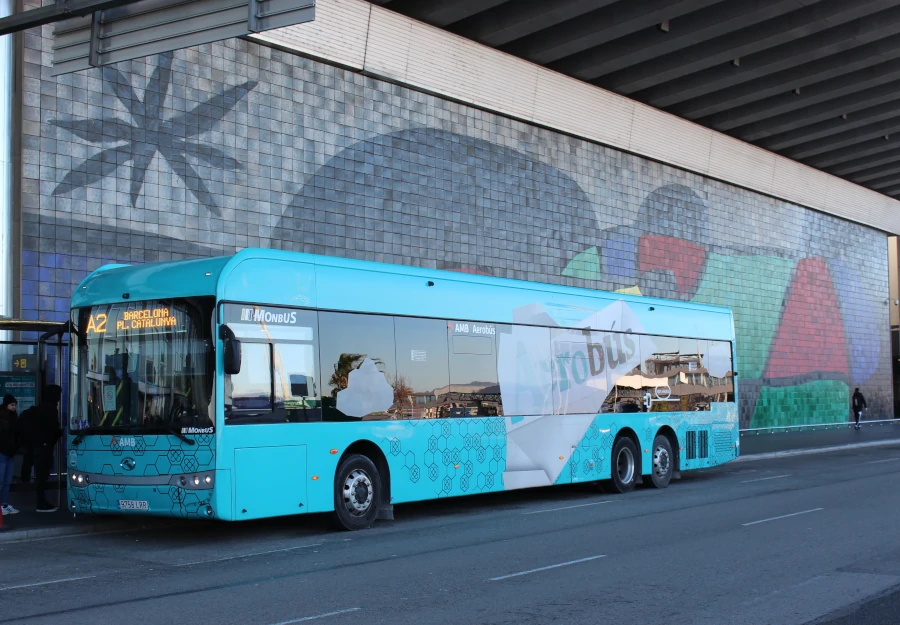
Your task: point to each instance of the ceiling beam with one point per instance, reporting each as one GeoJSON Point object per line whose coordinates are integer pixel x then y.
{"type": "Point", "coordinates": [517, 19]}
{"type": "Point", "coordinates": [812, 94]}
{"type": "Point", "coordinates": [874, 173]}
{"type": "Point", "coordinates": [831, 127]}
{"type": "Point", "coordinates": [821, 56]}
{"type": "Point", "coordinates": [598, 27]}
{"type": "Point", "coordinates": [888, 156]}
{"type": "Point", "coordinates": [860, 150]}
{"type": "Point", "coordinates": [650, 43]}
{"type": "Point", "coordinates": [441, 12]}
{"type": "Point", "coordinates": [844, 139]}
{"type": "Point", "coordinates": [809, 115]}
{"type": "Point", "coordinates": [721, 50]}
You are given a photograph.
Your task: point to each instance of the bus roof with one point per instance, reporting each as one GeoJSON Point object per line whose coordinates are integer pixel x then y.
{"type": "Point", "coordinates": [260, 276]}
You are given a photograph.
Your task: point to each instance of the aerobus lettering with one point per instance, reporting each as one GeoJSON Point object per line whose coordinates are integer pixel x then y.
{"type": "Point", "coordinates": [474, 328]}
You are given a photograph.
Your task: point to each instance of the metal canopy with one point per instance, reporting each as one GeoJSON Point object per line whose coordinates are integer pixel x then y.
{"type": "Point", "coordinates": [150, 27]}
{"type": "Point", "coordinates": [817, 81]}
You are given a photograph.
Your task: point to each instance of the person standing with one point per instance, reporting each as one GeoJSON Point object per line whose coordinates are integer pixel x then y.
{"type": "Point", "coordinates": [859, 403]}
{"type": "Point", "coordinates": [41, 431]}
{"type": "Point", "coordinates": [9, 444]}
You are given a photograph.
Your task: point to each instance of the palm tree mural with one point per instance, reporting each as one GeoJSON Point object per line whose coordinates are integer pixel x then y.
{"type": "Point", "coordinates": [139, 140]}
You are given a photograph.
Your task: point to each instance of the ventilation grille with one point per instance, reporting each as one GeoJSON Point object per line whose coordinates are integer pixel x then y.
{"type": "Point", "coordinates": [722, 442]}
{"type": "Point", "coordinates": [697, 444]}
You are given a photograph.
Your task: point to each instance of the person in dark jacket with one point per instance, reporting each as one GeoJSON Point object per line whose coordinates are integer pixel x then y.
{"type": "Point", "coordinates": [9, 444]}
{"type": "Point", "coordinates": [859, 402]}
{"type": "Point", "coordinates": [40, 430]}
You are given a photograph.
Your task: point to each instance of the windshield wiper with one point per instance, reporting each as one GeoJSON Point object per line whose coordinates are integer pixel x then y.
{"type": "Point", "coordinates": [85, 432]}
{"type": "Point", "coordinates": [175, 432]}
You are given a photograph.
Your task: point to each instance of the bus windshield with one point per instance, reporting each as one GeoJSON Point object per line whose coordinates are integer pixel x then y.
{"type": "Point", "coordinates": [143, 367]}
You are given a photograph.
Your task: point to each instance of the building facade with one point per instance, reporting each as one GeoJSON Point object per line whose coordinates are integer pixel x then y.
{"type": "Point", "coordinates": [237, 144]}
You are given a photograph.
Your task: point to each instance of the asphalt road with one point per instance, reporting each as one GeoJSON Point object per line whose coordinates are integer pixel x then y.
{"type": "Point", "coordinates": [785, 541]}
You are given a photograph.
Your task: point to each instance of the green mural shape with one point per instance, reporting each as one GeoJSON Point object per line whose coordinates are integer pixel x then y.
{"type": "Point", "coordinates": [812, 403]}
{"type": "Point", "coordinates": [586, 265]}
{"type": "Point", "coordinates": [754, 287]}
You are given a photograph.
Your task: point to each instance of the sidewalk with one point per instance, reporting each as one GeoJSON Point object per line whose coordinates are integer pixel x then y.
{"type": "Point", "coordinates": [29, 524]}
{"type": "Point", "coordinates": [752, 443]}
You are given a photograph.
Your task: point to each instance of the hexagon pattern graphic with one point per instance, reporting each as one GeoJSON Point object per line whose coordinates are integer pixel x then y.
{"type": "Point", "coordinates": [153, 456]}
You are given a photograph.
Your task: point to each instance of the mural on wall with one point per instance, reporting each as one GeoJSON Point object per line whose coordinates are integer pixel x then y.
{"type": "Point", "coordinates": [805, 332]}
{"type": "Point", "coordinates": [147, 134]}
{"type": "Point", "coordinates": [509, 201]}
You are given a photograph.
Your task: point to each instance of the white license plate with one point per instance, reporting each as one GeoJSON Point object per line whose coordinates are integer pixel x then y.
{"type": "Point", "coordinates": [131, 504]}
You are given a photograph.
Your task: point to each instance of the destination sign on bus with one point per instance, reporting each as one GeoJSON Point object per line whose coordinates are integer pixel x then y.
{"type": "Point", "coordinates": [142, 320]}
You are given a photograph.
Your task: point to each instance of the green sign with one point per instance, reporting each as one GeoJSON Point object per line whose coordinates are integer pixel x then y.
{"type": "Point", "coordinates": [19, 386]}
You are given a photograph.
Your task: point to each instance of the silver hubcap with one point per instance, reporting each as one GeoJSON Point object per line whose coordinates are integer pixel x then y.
{"type": "Point", "coordinates": [358, 492]}
{"type": "Point", "coordinates": [661, 462]}
{"type": "Point", "coordinates": [625, 465]}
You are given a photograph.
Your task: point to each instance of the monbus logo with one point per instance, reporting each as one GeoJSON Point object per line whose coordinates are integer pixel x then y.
{"type": "Point", "coordinates": [260, 315]}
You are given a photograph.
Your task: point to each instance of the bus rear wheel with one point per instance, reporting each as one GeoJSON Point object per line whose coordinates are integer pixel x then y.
{"type": "Point", "coordinates": [663, 463]}
{"type": "Point", "coordinates": [357, 491]}
{"type": "Point", "coordinates": [624, 465]}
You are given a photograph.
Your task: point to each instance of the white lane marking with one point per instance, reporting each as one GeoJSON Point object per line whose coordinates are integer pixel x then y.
{"type": "Point", "coordinates": [763, 479]}
{"type": "Point", "coordinates": [317, 616]}
{"type": "Point", "coordinates": [248, 555]}
{"type": "Point", "coordinates": [885, 460]}
{"type": "Point", "coordinates": [783, 516]}
{"type": "Point", "coordinates": [581, 505]}
{"type": "Point", "coordinates": [52, 581]}
{"type": "Point", "coordinates": [546, 568]}
{"type": "Point", "coordinates": [815, 450]}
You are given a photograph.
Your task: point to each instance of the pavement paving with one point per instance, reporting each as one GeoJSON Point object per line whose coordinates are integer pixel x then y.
{"type": "Point", "coordinates": [781, 541]}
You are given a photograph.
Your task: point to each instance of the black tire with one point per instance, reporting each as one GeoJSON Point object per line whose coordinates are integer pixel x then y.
{"type": "Point", "coordinates": [624, 465]}
{"type": "Point", "coordinates": [357, 493]}
{"type": "Point", "coordinates": [662, 463]}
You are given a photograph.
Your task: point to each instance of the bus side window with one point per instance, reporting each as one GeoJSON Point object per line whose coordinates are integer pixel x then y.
{"type": "Point", "coordinates": [248, 395]}
{"type": "Point", "coordinates": [358, 366]}
{"type": "Point", "coordinates": [296, 392]}
{"type": "Point", "coordinates": [474, 383]}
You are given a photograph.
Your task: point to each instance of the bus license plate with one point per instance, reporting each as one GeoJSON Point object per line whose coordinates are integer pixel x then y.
{"type": "Point", "coordinates": [130, 504]}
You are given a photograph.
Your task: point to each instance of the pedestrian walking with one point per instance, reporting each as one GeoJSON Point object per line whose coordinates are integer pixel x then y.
{"type": "Point", "coordinates": [41, 431]}
{"type": "Point", "coordinates": [9, 444]}
{"type": "Point", "coordinates": [859, 404]}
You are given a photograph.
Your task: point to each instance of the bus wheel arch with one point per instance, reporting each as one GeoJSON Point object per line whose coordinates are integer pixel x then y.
{"type": "Point", "coordinates": [362, 456]}
{"type": "Point", "coordinates": [625, 461]}
{"type": "Point", "coordinates": [665, 459]}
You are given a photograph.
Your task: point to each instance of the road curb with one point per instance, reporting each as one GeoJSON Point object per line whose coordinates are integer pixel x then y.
{"type": "Point", "coordinates": [815, 450]}
{"type": "Point", "coordinates": [42, 533]}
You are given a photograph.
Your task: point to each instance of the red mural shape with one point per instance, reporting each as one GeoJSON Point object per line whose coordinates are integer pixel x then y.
{"type": "Point", "coordinates": [684, 259]}
{"type": "Point", "coordinates": [811, 335]}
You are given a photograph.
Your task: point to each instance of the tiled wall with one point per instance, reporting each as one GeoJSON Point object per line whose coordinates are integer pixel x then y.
{"type": "Point", "coordinates": [233, 144]}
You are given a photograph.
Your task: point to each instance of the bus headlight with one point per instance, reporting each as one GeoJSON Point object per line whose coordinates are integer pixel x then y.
{"type": "Point", "coordinates": [208, 479]}
{"type": "Point", "coordinates": [196, 480]}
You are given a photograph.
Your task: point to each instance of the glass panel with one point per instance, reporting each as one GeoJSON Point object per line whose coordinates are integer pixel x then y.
{"type": "Point", "coordinates": [249, 393]}
{"type": "Point", "coordinates": [423, 374]}
{"type": "Point", "coordinates": [143, 367]}
{"type": "Point", "coordinates": [295, 382]}
{"type": "Point", "coordinates": [626, 380]}
{"type": "Point", "coordinates": [661, 372]}
{"type": "Point", "coordinates": [524, 363]}
{"type": "Point", "coordinates": [358, 366]}
{"type": "Point", "coordinates": [474, 385]}
{"type": "Point", "coordinates": [717, 370]}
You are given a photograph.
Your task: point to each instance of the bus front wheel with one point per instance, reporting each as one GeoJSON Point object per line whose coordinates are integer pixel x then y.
{"type": "Point", "coordinates": [624, 465]}
{"type": "Point", "coordinates": [357, 491]}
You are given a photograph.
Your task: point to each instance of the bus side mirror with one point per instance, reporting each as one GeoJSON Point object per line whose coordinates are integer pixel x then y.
{"type": "Point", "coordinates": [231, 354]}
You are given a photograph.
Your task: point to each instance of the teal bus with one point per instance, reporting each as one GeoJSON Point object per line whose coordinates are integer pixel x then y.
{"type": "Point", "coordinates": [274, 383]}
